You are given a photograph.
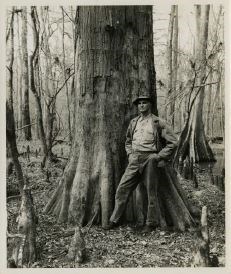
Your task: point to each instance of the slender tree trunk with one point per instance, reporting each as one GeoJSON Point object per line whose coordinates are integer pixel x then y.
{"type": "Point", "coordinates": [114, 64]}
{"type": "Point", "coordinates": [169, 62]}
{"type": "Point", "coordinates": [66, 85]}
{"type": "Point", "coordinates": [10, 123]}
{"type": "Point", "coordinates": [222, 114]}
{"type": "Point", "coordinates": [209, 99]}
{"type": "Point", "coordinates": [38, 81]}
{"type": "Point", "coordinates": [33, 62]}
{"type": "Point", "coordinates": [19, 71]}
{"type": "Point", "coordinates": [25, 79]}
{"type": "Point", "coordinates": [172, 63]}
{"type": "Point", "coordinates": [49, 99]}
{"type": "Point", "coordinates": [215, 101]}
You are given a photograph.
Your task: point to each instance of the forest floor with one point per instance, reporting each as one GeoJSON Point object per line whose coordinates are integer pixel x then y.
{"type": "Point", "coordinates": [120, 247]}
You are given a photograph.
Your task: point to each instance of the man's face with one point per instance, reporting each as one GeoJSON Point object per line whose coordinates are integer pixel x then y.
{"type": "Point", "coordinates": [144, 106]}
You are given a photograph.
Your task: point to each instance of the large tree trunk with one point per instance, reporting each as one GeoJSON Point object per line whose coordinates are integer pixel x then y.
{"type": "Point", "coordinates": [10, 123]}
{"type": "Point", "coordinates": [25, 79]}
{"type": "Point", "coordinates": [193, 142]}
{"type": "Point", "coordinates": [114, 64]}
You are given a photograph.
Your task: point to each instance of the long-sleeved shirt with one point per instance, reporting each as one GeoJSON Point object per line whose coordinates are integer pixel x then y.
{"type": "Point", "coordinates": [143, 138]}
{"type": "Point", "coordinates": [164, 138]}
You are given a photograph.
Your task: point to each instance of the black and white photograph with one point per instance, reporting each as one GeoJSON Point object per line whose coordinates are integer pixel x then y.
{"type": "Point", "coordinates": [115, 135]}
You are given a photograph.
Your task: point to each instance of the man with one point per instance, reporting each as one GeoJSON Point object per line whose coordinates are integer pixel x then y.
{"type": "Point", "coordinates": [149, 142]}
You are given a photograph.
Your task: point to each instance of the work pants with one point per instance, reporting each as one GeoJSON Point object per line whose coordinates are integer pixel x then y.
{"type": "Point", "coordinates": [141, 167]}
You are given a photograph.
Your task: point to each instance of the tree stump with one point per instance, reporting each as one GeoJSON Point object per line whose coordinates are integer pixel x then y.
{"type": "Point", "coordinates": [77, 249]}
{"type": "Point", "coordinates": [24, 251]}
{"type": "Point", "coordinates": [201, 254]}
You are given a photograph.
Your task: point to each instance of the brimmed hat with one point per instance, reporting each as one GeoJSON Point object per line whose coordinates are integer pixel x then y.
{"type": "Point", "coordinates": [142, 97]}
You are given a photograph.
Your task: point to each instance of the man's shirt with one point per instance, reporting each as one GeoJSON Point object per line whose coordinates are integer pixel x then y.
{"type": "Point", "coordinates": [143, 136]}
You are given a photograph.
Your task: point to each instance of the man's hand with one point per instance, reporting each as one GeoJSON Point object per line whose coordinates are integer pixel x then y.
{"type": "Point", "coordinates": [154, 156]}
{"type": "Point", "coordinates": [129, 157]}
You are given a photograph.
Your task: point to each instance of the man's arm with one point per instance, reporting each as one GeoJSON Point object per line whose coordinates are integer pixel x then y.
{"type": "Point", "coordinates": [171, 141]}
{"type": "Point", "coordinates": [128, 142]}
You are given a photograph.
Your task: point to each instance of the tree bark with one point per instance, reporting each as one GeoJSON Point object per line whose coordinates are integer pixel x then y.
{"type": "Point", "coordinates": [114, 64]}
{"type": "Point", "coordinates": [25, 79]}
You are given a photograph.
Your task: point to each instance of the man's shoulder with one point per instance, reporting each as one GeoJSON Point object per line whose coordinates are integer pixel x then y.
{"type": "Point", "coordinates": [159, 121]}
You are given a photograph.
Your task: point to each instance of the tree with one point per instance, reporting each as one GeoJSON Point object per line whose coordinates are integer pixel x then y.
{"type": "Point", "coordinates": [193, 142]}
{"type": "Point", "coordinates": [66, 72]}
{"type": "Point", "coordinates": [25, 79]}
{"type": "Point", "coordinates": [10, 123]}
{"type": "Point", "coordinates": [172, 63]}
{"type": "Point", "coordinates": [114, 64]}
{"type": "Point", "coordinates": [33, 65]}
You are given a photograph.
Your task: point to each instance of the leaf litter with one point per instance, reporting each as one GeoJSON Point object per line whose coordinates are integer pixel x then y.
{"type": "Point", "coordinates": [120, 247]}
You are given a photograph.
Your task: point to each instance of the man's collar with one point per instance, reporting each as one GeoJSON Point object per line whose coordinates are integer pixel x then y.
{"type": "Point", "coordinates": [141, 118]}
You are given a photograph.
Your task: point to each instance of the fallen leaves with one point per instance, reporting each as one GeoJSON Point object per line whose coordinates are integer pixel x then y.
{"type": "Point", "coordinates": [121, 247]}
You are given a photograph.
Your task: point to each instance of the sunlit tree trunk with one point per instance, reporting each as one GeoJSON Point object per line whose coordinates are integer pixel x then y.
{"type": "Point", "coordinates": [114, 64]}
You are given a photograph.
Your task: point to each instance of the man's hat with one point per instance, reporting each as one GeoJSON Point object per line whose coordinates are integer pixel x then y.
{"type": "Point", "coordinates": [142, 97]}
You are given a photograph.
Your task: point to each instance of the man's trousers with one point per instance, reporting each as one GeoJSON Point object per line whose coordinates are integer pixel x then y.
{"type": "Point", "coordinates": [141, 167]}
